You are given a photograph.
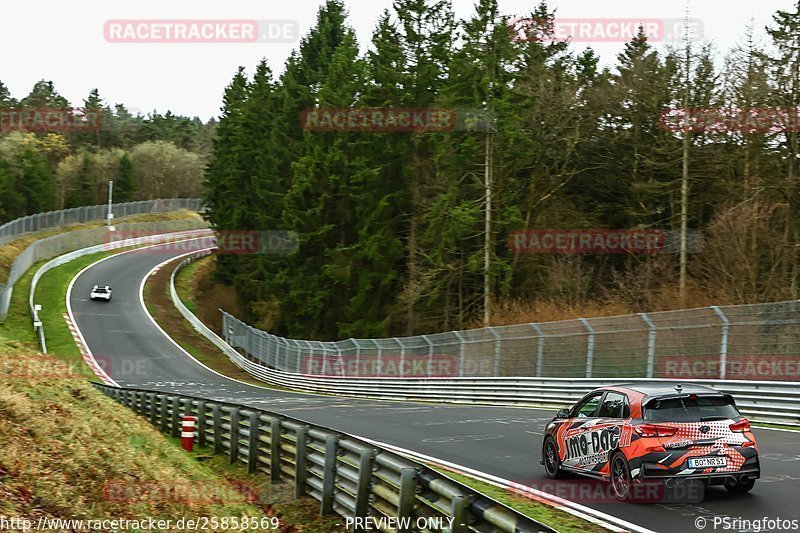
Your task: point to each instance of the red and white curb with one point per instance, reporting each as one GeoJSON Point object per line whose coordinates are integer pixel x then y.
{"type": "Point", "coordinates": [87, 355]}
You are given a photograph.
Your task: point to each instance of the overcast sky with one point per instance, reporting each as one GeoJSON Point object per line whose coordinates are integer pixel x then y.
{"type": "Point", "coordinates": [65, 42]}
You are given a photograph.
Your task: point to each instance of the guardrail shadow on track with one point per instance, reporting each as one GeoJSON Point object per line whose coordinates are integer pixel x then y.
{"type": "Point", "coordinates": [349, 477]}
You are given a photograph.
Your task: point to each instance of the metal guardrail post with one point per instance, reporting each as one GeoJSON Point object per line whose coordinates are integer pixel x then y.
{"type": "Point", "coordinates": [201, 423]}
{"type": "Point", "coordinates": [216, 413]}
{"type": "Point", "coordinates": [300, 461]}
{"type": "Point", "coordinates": [539, 349]}
{"type": "Point", "coordinates": [589, 347]}
{"type": "Point", "coordinates": [329, 474]}
{"type": "Point", "coordinates": [252, 444]}
{"type": "Point", "coordinates": [234, 449]}
{"type": "Point", "coordinates": [408, 491]}
{"type": "Point", "coordinates": [459, 514]}
{"type": "Point", "coordinates": [275, 450]}
{"type": "Point", "coordinates": [175, 430]}
{"type": "Point", "coordinates": [462, 354]}
{"type": "Point", "coordinates": [723, 345]}
{"type": "Point", "coordinates": [651, 344]}
{"type": "Point", "coordinates": [164, 418]}
{"type": "Point", "coordinates": [496, 367]}
{"type": "Point", "coordinates": [151, 396]}
{"type": "Point", "coordinates": [364, 482]}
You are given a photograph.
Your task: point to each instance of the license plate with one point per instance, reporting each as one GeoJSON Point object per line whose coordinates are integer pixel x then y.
{"type": "Point", "coordinates": [706, 462]}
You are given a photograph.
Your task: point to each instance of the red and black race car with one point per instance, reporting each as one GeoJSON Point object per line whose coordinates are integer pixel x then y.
{"type": "Point", "coordinates": [653, 432]}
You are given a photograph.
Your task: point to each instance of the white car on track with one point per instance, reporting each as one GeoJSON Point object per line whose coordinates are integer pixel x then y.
{"type": "Point", "coordinates": [101, 292]}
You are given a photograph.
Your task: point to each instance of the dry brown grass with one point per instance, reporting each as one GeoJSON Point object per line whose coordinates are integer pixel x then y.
{"type": "Point", "coordinates": [509, 312]}
{"type": "Point", "coordinates": [10, 251]}
{"type": "Point", "coordinates": [215, 296]}
{"type": "Point", "coordinates": [63, 444]}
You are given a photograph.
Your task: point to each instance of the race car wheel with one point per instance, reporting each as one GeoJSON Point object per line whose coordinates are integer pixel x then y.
{"type": "Point", "coordinates": [735, 486]}
{"type": "Point", "coordinates": [552, 463]}
{"type": "Point", "coordinates": [621, 477]}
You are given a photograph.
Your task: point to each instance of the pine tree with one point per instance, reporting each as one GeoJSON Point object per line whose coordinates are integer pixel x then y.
{"type": "Point", "coordinates": [125, 186]}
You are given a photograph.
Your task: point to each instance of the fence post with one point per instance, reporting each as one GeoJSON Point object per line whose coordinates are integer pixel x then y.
{"type": "Point", "coordinates": [358, 358]}
{"type": "Point", "coordinates": [651, 344]}
{"type": "Point", "coordinates": [539, 350]}
{"type": "Point", "coordinates": [275, 449]}
{"type": "Point", "coordinates": [723, 347]}
{"type": "Point", "coordinates": [380, 353]}
{"type": "Point", "coordinates": [430, 354]}
{"type": "Point", "coordinates": [301, 446]}
{"type": "Point", "coordinates": [364, 482]}
{"type": "Point", "coordinates": [496, 368]}
{"type": "Point", "coordinates": [234, 451]}
{"type": "Point", "coordinates": [461, 353]}
{"type": "Point", "coordinates": [589, 347]}
{"type": "Point", "coordinates": [329, 474]}
{"type": "Point", "coordinates": [402, 356]}
{"type": "Point", "coordinates": [408, 488]}
{"type": "Point", "coordinates": [252, 444]}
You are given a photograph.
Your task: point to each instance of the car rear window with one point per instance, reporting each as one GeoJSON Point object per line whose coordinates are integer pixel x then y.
{"type": "Point", "coordinates": [691, 409]}
{"type": "Point", "coordinates": [101, 289]}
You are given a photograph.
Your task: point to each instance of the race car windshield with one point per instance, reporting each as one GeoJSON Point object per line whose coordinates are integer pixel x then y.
{"type": "Point", "coordinates": [101, 290]}
{"type": "Point", "coordinates": [691, 409]}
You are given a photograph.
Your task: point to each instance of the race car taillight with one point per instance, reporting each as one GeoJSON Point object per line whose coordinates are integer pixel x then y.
{"type": "Point", "coordinates": [655, 430]}
{"type": "Point", "coordinates": [741, 426]}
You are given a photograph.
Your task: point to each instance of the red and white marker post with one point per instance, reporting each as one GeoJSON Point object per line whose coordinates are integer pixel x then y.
{"type": "Point", "coordinates": [187, 432]}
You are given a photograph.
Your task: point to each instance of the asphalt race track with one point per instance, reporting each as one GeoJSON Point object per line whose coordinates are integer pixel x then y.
{"type": "Point", "coordinates": [501, 441]}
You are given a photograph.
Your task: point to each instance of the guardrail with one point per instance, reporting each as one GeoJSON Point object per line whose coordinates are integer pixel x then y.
{"type": "Point", "coordinates": [58, 244]}
{"type": "Point", "coordinates": [762, 401]}
{"type": "Point", "coordinates": [348, 476]}
{"type": "Point", "coordinates": [70, 240]}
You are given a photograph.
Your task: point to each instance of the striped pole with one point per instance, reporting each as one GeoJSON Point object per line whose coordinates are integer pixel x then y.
{"type": "Point", "coordinates": [187, 432]}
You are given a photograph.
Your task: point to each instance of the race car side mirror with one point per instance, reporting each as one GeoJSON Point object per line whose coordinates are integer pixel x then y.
{"type": "Point", "coordinates": [562, 413]}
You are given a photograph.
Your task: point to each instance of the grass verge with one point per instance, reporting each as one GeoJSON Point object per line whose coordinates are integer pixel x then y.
{"type": "Point", "coordinates": [559, 520]}
{"type": "Point", "coordinates": [160, 306]}
{"type": "Point", "coordinates": [68, 452]}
